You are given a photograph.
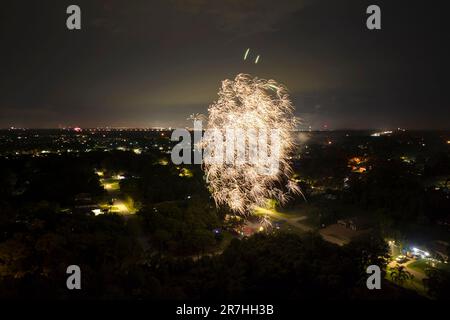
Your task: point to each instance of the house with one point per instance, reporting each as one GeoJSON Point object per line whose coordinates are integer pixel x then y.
{"type": "Point", "coordinates": [83, 204]}
{"type": "Point", "coordinates": [355, 223]}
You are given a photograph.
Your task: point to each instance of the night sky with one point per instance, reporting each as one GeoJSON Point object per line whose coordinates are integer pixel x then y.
{"type": "Point", "coordinates": [153, 63]}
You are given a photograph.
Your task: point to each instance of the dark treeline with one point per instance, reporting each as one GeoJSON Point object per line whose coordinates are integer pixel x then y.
{"type": "Point", "coordinates": [266, 266]}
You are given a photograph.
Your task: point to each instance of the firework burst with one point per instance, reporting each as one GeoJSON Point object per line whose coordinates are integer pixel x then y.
{"type": "Point", "coordinates": [248, 104]}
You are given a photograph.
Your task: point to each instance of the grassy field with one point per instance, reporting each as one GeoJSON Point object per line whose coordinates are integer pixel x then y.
{"type": "Point", "coordinates": [422, 264]}
{"type": "Point", "coordinates": [110, 184]}
{"type": "Point", "coordinates": [413, 284]}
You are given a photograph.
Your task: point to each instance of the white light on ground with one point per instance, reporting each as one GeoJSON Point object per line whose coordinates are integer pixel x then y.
{"type": "Point", "coordinates": [97, 212]}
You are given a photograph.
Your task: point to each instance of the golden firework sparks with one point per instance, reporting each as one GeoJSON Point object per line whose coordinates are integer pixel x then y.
{"type": "Point", "coordinates": [248, 104]}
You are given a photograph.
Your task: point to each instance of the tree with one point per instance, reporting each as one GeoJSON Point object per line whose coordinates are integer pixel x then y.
{"type": "Point", "coordinates": [437, 283]}
{"type": "Point", "coordinates": [161, 237]}
{"type": "Point", "coordinates": [368, 249]}
{"type": "Point", "coordinates": [399, 275]}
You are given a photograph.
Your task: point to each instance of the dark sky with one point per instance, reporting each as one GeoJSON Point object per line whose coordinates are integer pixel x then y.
{"type": "Point", "coordinates": [153, 63]}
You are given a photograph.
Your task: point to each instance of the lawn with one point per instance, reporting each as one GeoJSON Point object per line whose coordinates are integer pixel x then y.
{"type": "Point", "coordinates": [419, 265]}
{"type": "Point", "coordinates": [414, 284]}
{"type": "Point", "coordinates": [422, 264]}
{"type": "Point", "coordinates": [110, 185]}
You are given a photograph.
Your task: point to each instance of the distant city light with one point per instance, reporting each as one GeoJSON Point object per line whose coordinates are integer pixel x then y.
{"type": "Point", "coordinates": [163, 162]}
{"type": "Point", "coordinates": [382, 133]}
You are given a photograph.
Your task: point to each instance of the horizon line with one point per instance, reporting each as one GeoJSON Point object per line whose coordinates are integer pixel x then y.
{"type": "Point", "coordinates": [190, 128]}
